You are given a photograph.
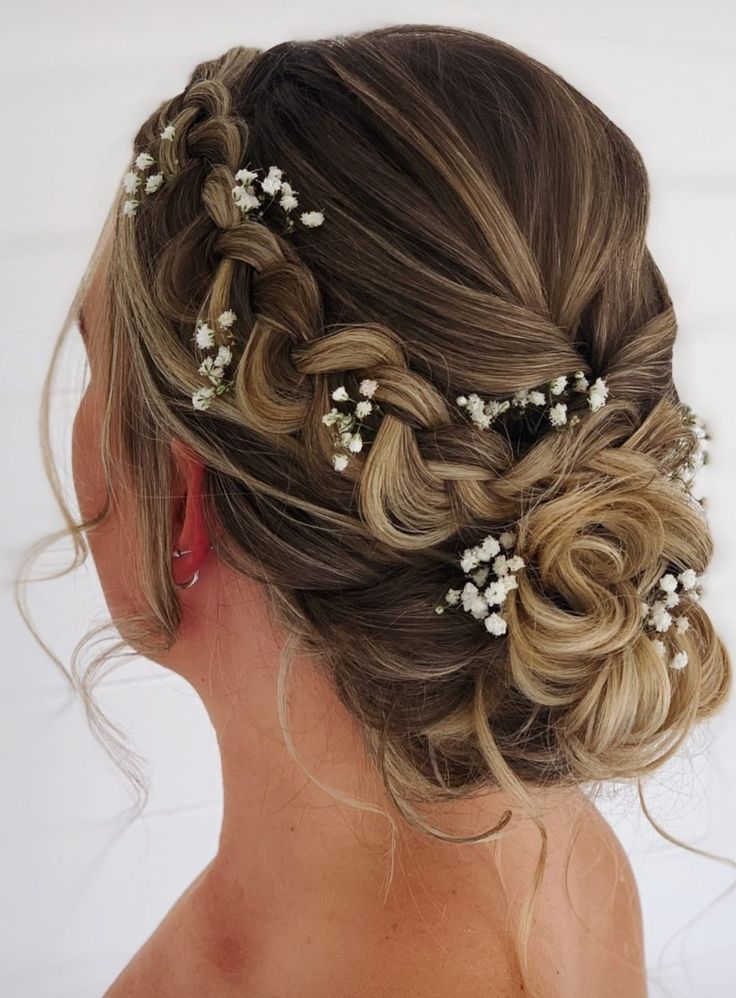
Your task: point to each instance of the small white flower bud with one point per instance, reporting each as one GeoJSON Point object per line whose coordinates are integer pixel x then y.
{"type": "Point", "coordinates": [507, 540]}
{"type": "Point", "coordinates": [679, 660]}
{"type": "Point", "coordinates": [495, 624]}
{"type": "Point", "coordinates": [558, 414]}
{"type": "Point", "coordinates": [312, 218]}
{"type": "Point", "coordinates": [143, 160]}
{"type": "Point", "coordinates": [558, 385]}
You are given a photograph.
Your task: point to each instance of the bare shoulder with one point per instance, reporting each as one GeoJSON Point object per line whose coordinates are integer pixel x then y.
{"type": "Point", "coordinates": [449, 931]}
{"type": "Point", "coordinates": [161, 965]}
{"type": "Point", "coordinates": [596, 899]}
{"type": "Point", "coordinates": [458, 937]}
{"type": "Point", "coordinates": [587, 938]}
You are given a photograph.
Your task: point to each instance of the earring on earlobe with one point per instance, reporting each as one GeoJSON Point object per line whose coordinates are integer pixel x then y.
{"type": "Point", "coordinates": [185, 585]}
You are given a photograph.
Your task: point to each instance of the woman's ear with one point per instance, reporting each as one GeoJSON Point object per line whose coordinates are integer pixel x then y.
{"type": "Point", "coordinates": [190, 531]}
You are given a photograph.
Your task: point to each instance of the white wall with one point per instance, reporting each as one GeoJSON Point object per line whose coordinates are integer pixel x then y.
{"type": "Point", "coordinates": [79, 896]}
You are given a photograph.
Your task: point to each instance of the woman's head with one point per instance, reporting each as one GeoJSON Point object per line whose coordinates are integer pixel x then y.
{"type": "Point", "coordinates": [484, 231]}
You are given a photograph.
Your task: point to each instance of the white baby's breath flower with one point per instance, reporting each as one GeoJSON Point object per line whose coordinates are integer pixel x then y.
{"type": "Point", "coordinates": [509, 581]}
{"type": "Point", "coordinates": [246, 176]}
{"type": "Point", "coordinates": [226, 319]}
{"type": "Point", "coordinates": [224, 356]}
{"type": "Point", "coordinates": [130, 206]}
{"type": "Point", "coordinates": [496, 593]}
{"type": "Point", "coordinates": [682, 624]}
{"type": "Point", "coordinates": [453, 596]}
{"type": "Point", "coordinates": [312, 218]}
{"type": "Point", "coordinates": [469, 560]}
{"type": "Point", "coordinates": [670, 600]}
{"type": "Point", "coordinates": [598, 394]}
{"type": "Point", "coordinates": [210, 369]}
{"type": "Point", "coordinates": [168, 133]}
{"type": "Point", "coordinates": [368, 387]}
{"type": "Point", "coordinates": [688, 578]}
{"type": "Point", "coordinates": [143, 160]}
{"type": "Point", "coordinates": [288, 202]}
{"type": "Point", "coordinates": [668, 582]}
{"type": "Point", "coordinates": [495, 624]}
{"type": "Point", "coordinates": [558, 414]}
{"type": "Point", "coordinates": [478, 607]}
{"type": "Point", "coordinates": [660, 618]}
{"type": "Point", "coordinates": [494, 408]}
{"type": "Point", "coordinates": [581, 382]}
{"type": "Point", "coordinates": [537, 398]}
{"type": "Point", "coordinates": [154, 182]}
{"type": "Point", "coordinates": [271, 182]}
{"type": "Point", "coordinates": [340, 461]}
{"type": "Point", "coordinates": [363, 408]}
{"type": "Point", "coordinates": [356, 443]}
{"type": "Point", "coordinates": [501, 565]}
{"type": "Point", "coordinates": [340, 394]}
{"type": "Point", "coordinates": [202, 398]}
{"type": "Point", "coordinates": [480, 575]}
{"type": "Point", "coordinates": [462, 400]}
{"type": "Point", "coordinates": [330, 417]}
{"type": "Point", "coordinates": [507, 540]}
{"type": "Point", "coordinates": [488, 547]}
{"type": "Point", "coordinates": [515, 563]}
{"type": "Point", "coordinates": [245, 198]}
{"type": "Point", "coordinates": [131, 182]}
{"type": "Point", "coordinates": [660, 647]}
{"type": "Point", "coordinates": [204, 336]}
{"type": "Point", "coordinates": [679, 660]}
{"type": "Point", "coordinates": [468, 594]}
{"type": "Point", "coordinates": [558, 386]}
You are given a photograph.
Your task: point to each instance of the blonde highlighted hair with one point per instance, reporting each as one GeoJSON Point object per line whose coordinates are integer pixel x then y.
{"type": "Point", "coordinates": [485, 231]}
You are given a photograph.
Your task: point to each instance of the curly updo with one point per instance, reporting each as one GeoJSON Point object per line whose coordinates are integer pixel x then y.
{"type": "Point", "coordinates": [484, 232]}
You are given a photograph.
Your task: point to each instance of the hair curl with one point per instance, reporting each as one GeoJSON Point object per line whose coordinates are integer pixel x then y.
{"type": "Point", "coordinates": [485, 230]}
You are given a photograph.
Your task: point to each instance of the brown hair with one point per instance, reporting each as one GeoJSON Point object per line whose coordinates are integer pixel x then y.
{"type": "Point", "coordinates": [484, 231]}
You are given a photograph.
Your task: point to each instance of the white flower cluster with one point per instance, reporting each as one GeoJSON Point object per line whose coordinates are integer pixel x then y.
{"type": "Point", "coordinates": [657, 614]}
{"type": "Point", "coordinates": [211, 367]}
{"type": "Point", "coordinates": [248, 199]}
{"type": "Point", "coordinates": [475, 564]}
{"type": "Point", "coordinates": [347, 425]}
{"type": "Point", "coordinates": [134, 178]}
{"type": "Point", "coordinates": [483, 413]}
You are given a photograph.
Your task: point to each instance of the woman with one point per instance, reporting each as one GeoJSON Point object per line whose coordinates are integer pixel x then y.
{"type": "Point", "coordinates": [381, 452]}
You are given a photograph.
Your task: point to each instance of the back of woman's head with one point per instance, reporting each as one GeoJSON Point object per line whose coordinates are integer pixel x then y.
{"type": "Point", "coordinates": [484, 232]}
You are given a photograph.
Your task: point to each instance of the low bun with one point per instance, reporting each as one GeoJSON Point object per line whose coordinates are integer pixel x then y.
{"type": "Point", "coordinates": [577, 644]}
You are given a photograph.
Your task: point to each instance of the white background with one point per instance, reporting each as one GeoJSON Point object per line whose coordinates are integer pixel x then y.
{"type": "Point", "coordinates": [79, 897]}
